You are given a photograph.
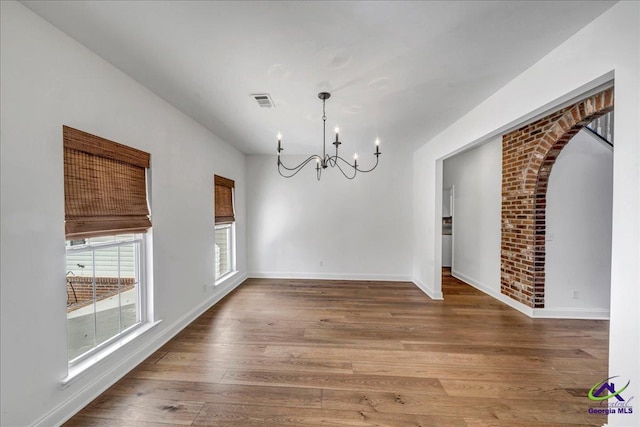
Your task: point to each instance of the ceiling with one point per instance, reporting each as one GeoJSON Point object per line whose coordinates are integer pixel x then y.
{"type": "Point", "coordinates": [400, 71]}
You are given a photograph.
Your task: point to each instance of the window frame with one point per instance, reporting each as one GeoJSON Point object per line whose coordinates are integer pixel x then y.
{"type": "Point", "coordinates": [142, 311]}
{"type": "Point", "coordinates": [231, 248]}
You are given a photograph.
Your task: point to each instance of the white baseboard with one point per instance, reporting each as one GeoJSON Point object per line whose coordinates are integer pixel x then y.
{"type": "Point", "coordinates": [524, 309]}
{"type": "Point", "coordinates": [571, 313]}
{"type": "Point", "coordinates": [536, 313]}
{"type": "Point", "coordinates": [431, 293]}
{"type": "Point", "coordinates": [84, 396]}
{"type": "Point", "coordinates": [331, 276]}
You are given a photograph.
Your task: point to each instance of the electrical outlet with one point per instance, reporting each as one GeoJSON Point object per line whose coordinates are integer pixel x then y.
{"type": "Point", "coordinates": [574, 294]}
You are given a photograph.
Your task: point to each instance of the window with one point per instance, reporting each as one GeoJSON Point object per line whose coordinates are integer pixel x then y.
{"type": "Point", "coordinates": [224, 227]}
{"type": "Point", "coordinates": [106, 218]}
{"type": "Point", "coordinates": [104, 290]}
{"type": "Point", "coordinates": [224, 249]}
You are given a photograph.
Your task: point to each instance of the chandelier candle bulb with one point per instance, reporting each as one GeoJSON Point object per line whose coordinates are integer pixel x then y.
{"type": "Point", "coordinates": [337, 129]}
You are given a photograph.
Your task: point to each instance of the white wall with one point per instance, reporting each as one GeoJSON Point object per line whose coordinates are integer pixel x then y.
{"type": "Point", "coordinates": [477, 179]}
{"type": "Point", "coordinates": [47, 80]}
{"type": "Point", "coordinates": [578, 247]}
{"type": "Point", "coordinates": [332, 228]}
{"type": "Point", "coordinates": [562, 75]}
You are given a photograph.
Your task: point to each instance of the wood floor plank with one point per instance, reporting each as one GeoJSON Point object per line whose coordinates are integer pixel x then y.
{"type": "Point", "coordinates": [332, 381]}
{"type": "Point", "coordinates": [382, 356]}
{"type": "Point", "coordinates": [140, 409]}
{"type": "Point", "coordinates": [219, 393]}
{"type": "Point", "coordinates": [225, 415]}
{"type": "Point", "coordinates": [358, 353]}
{"type": "Point", "coordinates": [514, 390]}
{"type": "Point", "coordinates": [91, 421]}
{"type": "Point", "coordinates": [381, 419]}
{"type": "Point", "coordinates": [257, 363]}
{"type": "Point", "coordinates": [409, 403]}
{"type": "Point", "coordinates": [483, 407]}
{"type": "Point", "coordinates": [480, 422]}
{"type": "Point", "coordinates": [178, 373]}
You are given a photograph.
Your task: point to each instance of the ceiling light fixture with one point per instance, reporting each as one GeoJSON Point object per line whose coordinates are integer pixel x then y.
{"type": "Point", "coordinates": [324, 161]}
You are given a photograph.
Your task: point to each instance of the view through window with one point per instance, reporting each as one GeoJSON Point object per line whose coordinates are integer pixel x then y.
{"type": "Point", "coordinates": [224, 244]}
{"type": "Point", "coordinates": [103, 289]}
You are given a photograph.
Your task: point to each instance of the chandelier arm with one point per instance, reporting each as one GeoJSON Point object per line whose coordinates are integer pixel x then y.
{"type": "Point", "coordinates": [343, 172]}
{"type": "Point", "coordinates": [290, 175]}
{"type": "Point", "coordinates": [369, 170]}
{"type": "Point", "coordinates": [329, 160]}
{"type": "Point", "coordinates": [301, 165]}
{"type": "Point", "coordinates": [355, 171]}
{"type": "Point", "coordinates": [333, 161]}
{"type": "Point", "coordinates": [296, 169]}
{"type": "Point", "coordinates": [287, 176]}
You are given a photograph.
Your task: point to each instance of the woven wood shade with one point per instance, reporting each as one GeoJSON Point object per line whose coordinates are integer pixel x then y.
{"type": "Point", "coordinates": [224, 200]}
{"type": "Point", "coordinates": [105, 187]}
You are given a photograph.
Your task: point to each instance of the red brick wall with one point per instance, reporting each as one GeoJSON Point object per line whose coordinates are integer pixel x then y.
{"type": "Point", "coordinates": [528, 154]}
{"type": "Point", "coordinates": [83, 287]}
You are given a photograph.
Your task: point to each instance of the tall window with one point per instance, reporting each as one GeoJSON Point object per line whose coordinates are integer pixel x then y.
{"type": "Point", "coordinates": [106, 218]}
{"type": "Point", "coordinates": [224, 227]}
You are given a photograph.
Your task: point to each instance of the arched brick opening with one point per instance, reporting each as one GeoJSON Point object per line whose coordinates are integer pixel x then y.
{"type": "Point", "coordinates": [528, 155]}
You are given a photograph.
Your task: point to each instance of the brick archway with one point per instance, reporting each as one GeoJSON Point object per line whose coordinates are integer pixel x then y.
{"type": "Point", "coordinates": [528, 155]}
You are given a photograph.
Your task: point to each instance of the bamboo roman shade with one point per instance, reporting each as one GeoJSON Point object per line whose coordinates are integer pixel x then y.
{"type": "Point", "coordinates": [223, 200]}
{"type": "Point", "coordinates": [105, 190]}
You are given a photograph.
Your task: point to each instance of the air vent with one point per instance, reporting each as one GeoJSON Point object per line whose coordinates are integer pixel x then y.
{"type": "Point", "coordinates": [263, 100]}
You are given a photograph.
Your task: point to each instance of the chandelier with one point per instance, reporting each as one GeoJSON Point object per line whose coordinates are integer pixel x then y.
{"type": "Point", "coordinates": [326, 160]}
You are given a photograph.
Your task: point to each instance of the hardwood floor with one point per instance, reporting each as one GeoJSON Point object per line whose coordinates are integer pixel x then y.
{"type": "Point", "coordinates": [335, 353]}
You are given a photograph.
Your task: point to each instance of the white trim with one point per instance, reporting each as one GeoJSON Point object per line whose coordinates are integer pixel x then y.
{"type": "Point", "coordinates": [571, 313]}
{"type": "Point", "coordinates": [537, 313]}
{"type": "Point", "coordinates": [430, 292]}
{"type": "Point", "coordinates": [497, 295]}
{"type": "Point", "coordinates": [227, 278]}
{"type": "Point", "coordinates": [332, 276]}
{"type": "Point", "coordinates": [86, 364]}
{"type": "Point", "coordinates": [84, 396]}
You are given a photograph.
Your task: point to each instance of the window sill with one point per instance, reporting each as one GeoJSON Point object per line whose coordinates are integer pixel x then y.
{"type": "Point", "coordinates": [79, 370]}
{"type": "Point", "coordinates": [226, 277]}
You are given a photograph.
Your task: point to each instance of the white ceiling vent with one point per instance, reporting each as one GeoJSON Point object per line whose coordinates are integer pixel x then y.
{"type": "Point", "coordinates": [263, 100]}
